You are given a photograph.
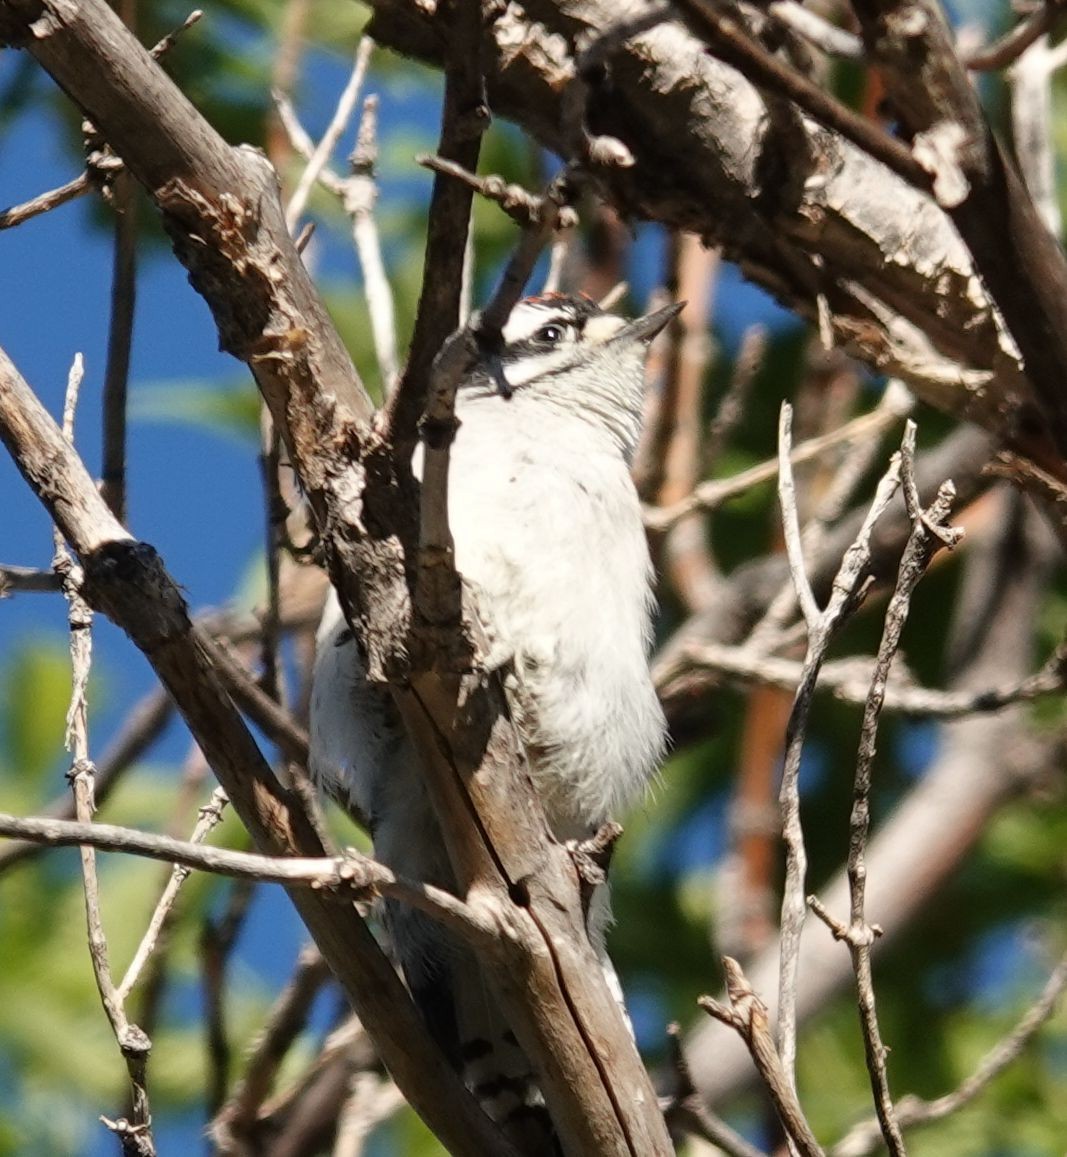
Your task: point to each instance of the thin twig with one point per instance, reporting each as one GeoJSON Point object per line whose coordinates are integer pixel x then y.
{"type": "Point", "coordinates": [278, 723]}
{"type": "Point", "coordinates": [27, 579]}
{"type": "Point", "coordinates": [712, 494]}
{"type": "Point", "coordinates": [347, 874]}
{"type": "Point", "coordinates": [124, 196]}
{"type": "Point", "coordinates": [281, 1027]}
{"type": "Point", "coordinates": [359, 197]}
{"type": "Point", "coordinates": [750, 357]}
{"type": "Point", "coordinates": [136, 1135]}
{"type": "Point", "coordinates": [866, 1138]}
{"type": "Point", "coordinates": [791, 521]}
{"type": "Point", "coordinates": [164, 45]}
{"type": "Point", "coordinates": [218, 938]}
{"type": "Point", "coordinates": [141, 728]}
{"type": "Point", "coordinates": [437, 594]}
{"type": "Point", "coordinates": [45, 202]}
{"type": "Point", "coordinates": [275, 513]}
{"type": "Point", "coordinates": [464, 119]}
{"type": "Point", "coordinates": [104, 165]}
{"type": "Point", "coordinates": [210, 817]}
{"type": "Point", "coordinates": [338, 123]}
{"type": "Point", "coordinates": [522, 206]}
{"type": "Point", "coordinates": [1017, 40]}
{"type": "Point", "coordinates": [686, 1110]}
{"type": "Point", "coordinates": [358, 193]}
{"type": "Point", "coordinates": [848, 679]}
{"type": "Point", "coordinates": [371, 1099]}
{"type": "Point", "coordinates": [736, 46]}
{"type": "Point", "coordinates": [747, 1015]}
{"type": "Point", "coordinates": [845, 593]}
{"type": "Point", "coordinates": [927, 535]}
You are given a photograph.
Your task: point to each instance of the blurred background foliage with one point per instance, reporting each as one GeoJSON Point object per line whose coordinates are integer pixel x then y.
{"type": "Point", "coordinates": [948, 988]}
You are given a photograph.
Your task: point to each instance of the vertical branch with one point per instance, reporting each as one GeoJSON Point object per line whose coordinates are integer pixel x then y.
{"type": "Point", "coordinates": [1030, 78]}
{"type": "Point", "coordinates": [217, 939]}
{"type": "Point", "coordinates": [360, 195]}
{"type": "Point", "coordinates": [464, 119]}
{"type": "Point", "coordinates": [125, 195]}
{"type": "Point", "coordinates": [926, 536]}
{"type": "Point", "coordinates": [233, 1126]}
{"type": "Point", "coordinates": [283, 77]}
{"type": "Point", "coordinates": [747, 1015]}
{"type": "Point", "coordinates": [822, 625]}
{"type": "Point", "coordinates": [341, 116]}
{"type": "Point", "coordinates": [135, 1135]}
{"type": "Point", "coordinates": [275, 513]}
{"type": "Point", "coordinates": [124, 198]}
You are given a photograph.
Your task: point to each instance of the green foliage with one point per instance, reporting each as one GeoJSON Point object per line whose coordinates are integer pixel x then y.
{"type": "Point", "coordinates": [937, 1014]}
{"type": "Point", "coordinates": [34, 693]}
{"type": "Point", "coordinates": [231, 409]}
{"type": "Point", "coordinates": [53, 1034]}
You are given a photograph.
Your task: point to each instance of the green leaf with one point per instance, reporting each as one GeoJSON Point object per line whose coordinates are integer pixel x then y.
{"type": "Point", "coordinates": [33, 708]}
{"type": "Point", "coordinates": [227, 408]}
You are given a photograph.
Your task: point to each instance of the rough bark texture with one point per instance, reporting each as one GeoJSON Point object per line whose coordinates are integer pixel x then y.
{"type": "Point", "coordinates": [805, 212]}
{"type": "Point", "coordinates": [220, 206]}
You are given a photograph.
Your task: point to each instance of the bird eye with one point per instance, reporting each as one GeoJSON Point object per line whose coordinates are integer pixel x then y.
{"type": "Point", "coordinates": [550, 334]}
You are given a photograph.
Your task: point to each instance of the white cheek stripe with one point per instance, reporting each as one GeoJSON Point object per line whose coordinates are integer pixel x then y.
{"type": "Point", "coordinates": [519, 373]}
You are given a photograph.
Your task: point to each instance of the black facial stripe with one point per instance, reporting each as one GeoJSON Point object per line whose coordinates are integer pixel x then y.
{"type": "Point", "coordinates": [531, 346]}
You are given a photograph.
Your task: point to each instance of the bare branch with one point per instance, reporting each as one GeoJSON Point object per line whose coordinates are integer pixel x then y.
{"type": "Point", "coordinates": [136, 1136]}
{"type": "Point", "coordinates": [129, 583]}
{"type": "Point", "coordinates": [371, 1100]}
{"type": "Point", "coordinates": [523, 207]}
{"type": "Point", "coordinates": [103, 167]}
{"type": "Point", "coordinates": [714, 493]}
{"type": "Point", "coordinates": [210, 817]}
{"type": "Point", "coordinates": [359, 197]}
{"type": "Point", "coordinates": [464, 118]}
{"type": "Point", "coordinates": [338, 123]}
{"type": "Point", "coordinates": [45, 202]}
{"type": "Point", "coordinates": [747, 1015]}
{"type": "Point", "coordinates": [350, 873]}
{"type": "Point", "coordinates": [734, 44]}
{"type": "Point", "coordinates": [124, 198]}
{"type": "Point", "coordinates": [685, 1108]}
{"type": "Point", "coordinates": [358, 194]}
{"type": "Point", "coordinates": [866, 1138]}
{"type": "Point", "coordinates": [1009, 47]}
{"type": "Point", "coordinates": [791, 523]}
{"type": "Point", "coordinates": [1019, 260]}
{"type": "Point", "coordinates": [845, 592]}
{"type": "Point", "coordinates": [18, 579]}
{"type": "Point", "coordinates": [849, 680]}
{"type": "Point", "coordinates": [859, 935]}
{"type": "Point", "coordinates": [286, 1019]}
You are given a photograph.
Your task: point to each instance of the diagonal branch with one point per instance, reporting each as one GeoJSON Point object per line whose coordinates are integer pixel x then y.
{"type": "Point", "coordinates": [1019, 260]}
{"type": "Point", "coordinates": [126, 580]}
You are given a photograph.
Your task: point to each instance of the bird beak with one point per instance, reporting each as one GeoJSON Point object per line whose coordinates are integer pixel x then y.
{"type": "Point", "coordinates": [645, 328]}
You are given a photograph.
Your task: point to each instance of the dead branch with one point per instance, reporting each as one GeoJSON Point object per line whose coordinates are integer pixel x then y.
{"type": "Point", "coordinates": [935, 826]}
{"type": "Point", "coordinates": [865, 1138]}
{"type": "Point", "coordinates": [127, 581]}
{"type": "Point", "coordinates": [746, 1014]}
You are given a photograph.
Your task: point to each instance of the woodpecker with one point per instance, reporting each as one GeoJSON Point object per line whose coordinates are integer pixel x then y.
{"type": "Point", "coordinates": [548, 535]}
